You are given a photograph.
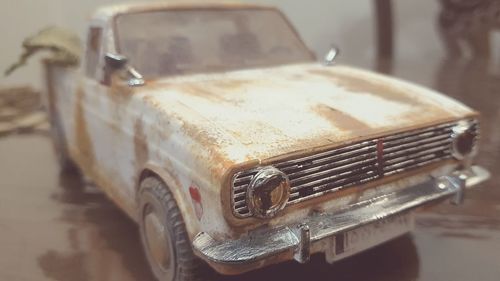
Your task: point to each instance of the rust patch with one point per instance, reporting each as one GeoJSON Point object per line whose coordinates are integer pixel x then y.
{"type": "Point", "coordinates": [204, 92]}
{"type": "Point", "coordinates": [150, 100]}
{"type": "Point", "coordinates": [341, 120]}
{"type": "Point", "coordinates": [141, 149]}
{"type": "Point", "coordinates": [119, 94]}
{"type": "Point", "coordinates": [83, 141]}
{"type": "Point", "coordinates": [232, 84]}
{"type": "Point", "coordinates": [119, 91]}
{"type": "Point", "coordinates": [220, 163]}
{"type": "Point", "coordinates": [363, 85]}
{"type": "Point", "coordinates": [382, 90]}
{"type": "Point", "coordinates": [218, 91]}
{"type": "Point", "coordinates": [85, 157]}
{"type": "Point", "coordinates": [161, 127]}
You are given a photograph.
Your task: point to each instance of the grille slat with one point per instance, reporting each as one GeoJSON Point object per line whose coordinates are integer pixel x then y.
{"type": "Point", "coordinates": [243, 180]}
{"type": "Point", "coordinates": [315, 166]}
{"type": "Point", "coordinates": [330, 165]}
{"type": "Point", "coordinates": [394, 151]}
{"type": "Point", "coordinates": [333, 187]}
{"type": "Point", "coordinates": [412, 158]}
{"type": "Point", "coordinates": [420, 132]}
{"type": "Point", "coordinates": [396, 156]}
{"type": "Point", "coordinates": [240, 204]}
{"type": "Point", "coordinates": [243, 211]}
{"type": "Point", "coordinates": [239, 196]}
{"type": "Point", "coordinates": [388, 146]}
{"type": "Point", "coordinates": [354, 148]}
{"type": "Point", "coordinates": [240, 188]}
{"type": "Point", "coordinates": [346, 175]}
{"type": "Point", "coordinates": [354, 164]}
{"type": "Point", "coordinates": [400, 168]}
{"type": "Point", "coordinates": [330, 174]}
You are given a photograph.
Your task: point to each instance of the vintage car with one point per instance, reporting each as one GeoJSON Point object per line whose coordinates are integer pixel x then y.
{"type": "Point", "coordinates": [214, 127]}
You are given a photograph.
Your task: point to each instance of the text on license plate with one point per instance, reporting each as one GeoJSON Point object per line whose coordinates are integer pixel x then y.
{"type": "Point", "coordinates": [365, 237]}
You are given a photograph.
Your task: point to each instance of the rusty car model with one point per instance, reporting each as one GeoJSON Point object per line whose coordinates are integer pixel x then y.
{"type": "Point", "coordinates": [216, 130]}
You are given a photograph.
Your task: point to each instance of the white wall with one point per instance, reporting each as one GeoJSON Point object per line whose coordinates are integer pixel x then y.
{"type": "Point", "coordinates": [348, 24]}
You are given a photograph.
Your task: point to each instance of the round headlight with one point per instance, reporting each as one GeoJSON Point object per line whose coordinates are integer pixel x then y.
{"type": "Point", "coordinates": [268, 192]}
{"type": "Point", "coordinates": [463, 140]}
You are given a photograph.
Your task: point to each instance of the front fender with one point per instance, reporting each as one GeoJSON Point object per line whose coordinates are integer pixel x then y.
{"type": "Point", "coordinates": [182, 198]}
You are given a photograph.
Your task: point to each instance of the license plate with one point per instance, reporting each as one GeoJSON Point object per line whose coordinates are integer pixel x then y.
{"type": "Point", "coordinates": [365, 237]}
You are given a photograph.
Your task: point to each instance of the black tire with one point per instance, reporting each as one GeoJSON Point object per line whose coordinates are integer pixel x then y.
{"type": "Point", "coordinates": [156, 201]}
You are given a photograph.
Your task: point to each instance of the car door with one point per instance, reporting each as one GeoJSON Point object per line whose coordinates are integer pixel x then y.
{"type": "Point", "coordinates": [105, 120]}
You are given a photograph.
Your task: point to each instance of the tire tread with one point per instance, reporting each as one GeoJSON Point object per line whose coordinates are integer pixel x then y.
{"type": "Point", "coordinates": [189, 267]}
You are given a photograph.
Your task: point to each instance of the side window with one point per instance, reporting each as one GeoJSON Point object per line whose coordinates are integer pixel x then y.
{"type": "Point", "coordinates": [93, 50]}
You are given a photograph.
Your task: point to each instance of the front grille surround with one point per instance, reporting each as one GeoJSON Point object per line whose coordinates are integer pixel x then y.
{"type": "Point", "coordinates": [353, 164]}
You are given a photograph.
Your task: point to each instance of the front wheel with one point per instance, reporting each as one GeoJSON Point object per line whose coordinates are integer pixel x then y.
{"type": "Point", "coordinates": [164, 236]}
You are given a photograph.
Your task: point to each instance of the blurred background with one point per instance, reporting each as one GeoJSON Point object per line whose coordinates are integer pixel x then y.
{"type": "Point", "coordinates": [58, 227]}
{"type": "Point", "coordinates": [351, 25]}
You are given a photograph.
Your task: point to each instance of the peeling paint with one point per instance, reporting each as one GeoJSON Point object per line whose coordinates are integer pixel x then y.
{"type": "Point", "coordinates": [201, 128]}
{"type": "Point", "coordinates": [341, 120]}
{"type": "Point", "coordinates": [271, 115]}
{"type": "Point", "coordinates": [358, 85]}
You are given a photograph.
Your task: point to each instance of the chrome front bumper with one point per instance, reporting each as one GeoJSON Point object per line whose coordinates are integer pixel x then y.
{"type": "Point", "coordinates": [294, 241]}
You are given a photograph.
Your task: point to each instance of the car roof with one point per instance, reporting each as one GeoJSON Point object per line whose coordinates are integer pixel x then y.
{"type": "Point", "coordinates": [107, 12]}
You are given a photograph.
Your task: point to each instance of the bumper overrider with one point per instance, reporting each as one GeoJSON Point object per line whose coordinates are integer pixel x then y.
{"type": "Point", "coordinates": [294, 241]}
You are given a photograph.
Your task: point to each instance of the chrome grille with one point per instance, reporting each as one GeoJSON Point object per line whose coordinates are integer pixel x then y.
{"type": "Point", "coordinates": [354, 164]}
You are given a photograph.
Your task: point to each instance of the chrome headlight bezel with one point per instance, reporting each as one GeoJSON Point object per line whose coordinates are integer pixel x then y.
{"type": "Point", "coordinates": [464, 140]}
{"type": "Point", "coordinates": [255, 192]}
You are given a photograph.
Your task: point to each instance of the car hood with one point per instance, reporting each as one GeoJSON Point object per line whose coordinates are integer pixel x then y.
{"type": "Point", "coordinates": [258, 114]}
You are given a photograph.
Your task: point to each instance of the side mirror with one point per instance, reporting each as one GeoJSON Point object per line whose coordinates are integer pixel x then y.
{"type": "Point", "coordinates": [331, 56]}
{"type": "Point", "coordinates": [115, 62]}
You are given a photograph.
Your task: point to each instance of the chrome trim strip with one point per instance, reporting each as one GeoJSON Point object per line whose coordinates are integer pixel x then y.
{"type": "Point", "coordinates": [336, 151]}
{"type": "Point", "coordinates": [261, 245]}
{"type": "Point", "coordinates": [334, 165]}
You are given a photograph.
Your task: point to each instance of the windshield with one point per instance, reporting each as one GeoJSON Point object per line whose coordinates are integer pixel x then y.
{"type": "Point", "coordinates": [177, 42]}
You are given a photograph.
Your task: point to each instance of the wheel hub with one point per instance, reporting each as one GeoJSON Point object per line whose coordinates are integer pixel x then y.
{"type": "Point", "coordinates": [157, 240]}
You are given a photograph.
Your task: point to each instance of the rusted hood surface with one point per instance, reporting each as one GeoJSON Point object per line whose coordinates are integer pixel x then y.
{"type": "Point", "coordinates": [257, 114]}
